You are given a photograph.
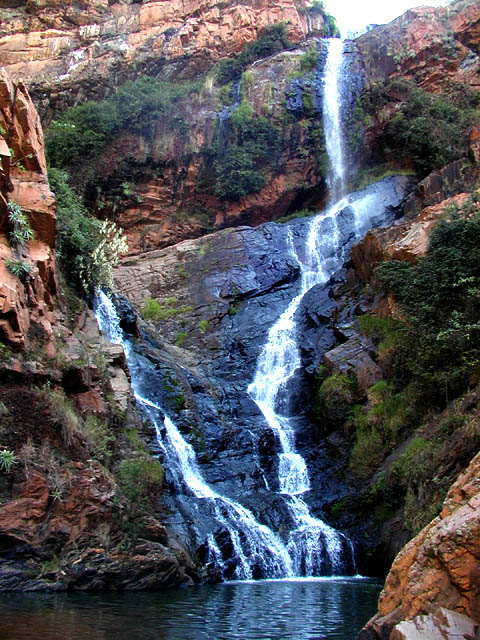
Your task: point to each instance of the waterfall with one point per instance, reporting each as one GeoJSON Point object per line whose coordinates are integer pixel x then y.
{"type": "Point", "coordinates": [234, 541]}
{"type": "Point", "coordinates": [258, 551]}
{"type": "Point", "coordinates": [332, 120]}
{"type": "Point", "coordinates": [315, 547]}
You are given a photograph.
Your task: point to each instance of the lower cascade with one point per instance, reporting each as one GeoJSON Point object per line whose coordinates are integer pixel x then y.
{"type": "Point", "coordinates": [314, 547]}
{"type": "Point", "coordinates": [235, 540]}
{"type": "Point", "coordinates": [258, 551]}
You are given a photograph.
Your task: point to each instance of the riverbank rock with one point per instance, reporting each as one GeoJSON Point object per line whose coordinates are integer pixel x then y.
{"type": "Point", "coordinates": [439, 567]}
{"type": "Point", "coordinates": [438, 626]}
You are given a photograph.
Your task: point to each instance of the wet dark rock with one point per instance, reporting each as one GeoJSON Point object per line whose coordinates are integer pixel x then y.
{"type": "Point", "coordinates": [241, 281]}
{"type": "Point", "coordinates": [128, 317]}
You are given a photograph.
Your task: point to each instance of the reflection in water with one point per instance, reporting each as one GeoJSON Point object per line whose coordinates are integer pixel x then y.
{"type": "Point", "coordinates": [309, 609]}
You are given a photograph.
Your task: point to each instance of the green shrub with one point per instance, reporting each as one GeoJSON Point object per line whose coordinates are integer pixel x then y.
{"type": "Point", "coordinates": [417, 513]}
{"type": "Point", "coordinates": [309, 60]}
{"type": "Point", "coordinates": [271, 40]}
{"type": "Point", "coordinates": [151, 310]}
{"type": "Point", "coordinates": [19, 268]}
{"type": "Point", "coordinates": [21, 232]}
{"type": "Point", "coordinates": [87, 249]}
{"type": "Point", "coordinates": [100, 438]}
{"type": "Point", "coordinates": [136, 441]}
{"type": "Point", "coordinates": [83, 131]}
{"type": "Point", "coordinates": [438, 346]}
{"type": "Point", "coordinates": [367, 453]}
{"type": "Point", "coordinates": [428, 131]}
{"type": "Point", "coordinates": [181, 337]}
{"type": "Point", "coordinates": [7, 460]}
{"type": "Point", "coordinates": [154, 311]}
{"type": "Point", "coordinates": [317, 7]}
{"type": "Point", "coordinates": [333, 401]}
{"type": "Point", "coordinates": [138, 478]}
{"type": "Point", "coordinates": [413, 463]}
{"type": "Point", "coordinates": [253, 143]}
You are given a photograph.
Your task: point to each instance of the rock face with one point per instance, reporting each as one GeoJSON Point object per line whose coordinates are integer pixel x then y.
{"type": "Point", "coordinates": [55, 503]}
{"type": "Point", "coordinates": [438, 568]}
{"type": "Point", "coordinates": [26, 308]}
{"type": "Point", "coordinates": [216, 298]}
{"type": "Point", "coordinates": [87, 48]}
{"type": "Point", "coordinates": [61, 509]}
{"type": "Point", "coordinates": [428, 45]}
{"type": "Point", "coordinates": [408, 238]}
{"type": "Point", "coordinates": [171, 178]}
{"type": "Point", "coordinates": [442, 624]}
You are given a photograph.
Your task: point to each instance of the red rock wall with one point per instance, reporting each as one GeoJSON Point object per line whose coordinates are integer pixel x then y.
{"type": "Point", "coordinates": [70, 51]}
{"type": "Point", "coordinates": [440, 567]}
{"type": "Point", "coordinates": [27, 308]}
{"type": "Point", "coordinates": [429, 46]}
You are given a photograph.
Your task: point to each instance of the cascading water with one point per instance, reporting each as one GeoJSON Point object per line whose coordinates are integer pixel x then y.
{"type": "Point", "coordinates": [332, 120]}
{"type": "Point", "coordinates": [315, 547]}
{"type": "Point", "coordinates": [258, 551]}
{"type": "Point", "coordinates": [307, 546]}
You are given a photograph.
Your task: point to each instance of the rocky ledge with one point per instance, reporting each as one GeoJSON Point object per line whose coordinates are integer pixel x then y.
{"type": "Point", "coordinates": [67, 54]}
{"type": "Point", "coordinates": [438, 568]}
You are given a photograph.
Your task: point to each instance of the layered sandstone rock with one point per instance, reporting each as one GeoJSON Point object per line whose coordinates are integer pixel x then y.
{"type": "Point", "coordinates": [26, 306]}
{"type": "Point", "coordinates": [67, 53]}
{"type": "Point", "coordinates": [408, 239]}
{"type": "Point", "coordinates": [439, 567]}
{"type": "Point", "coordinates": [428, 45]}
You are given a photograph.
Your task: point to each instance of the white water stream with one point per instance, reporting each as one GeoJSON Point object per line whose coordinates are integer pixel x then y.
{"type": "Point", "coordinates": [256, 547]}
{"type": "Point", "coordinates": [312, 544]}
{"type": "Point", "coordinates": [332, 121]}
{"type": "Point", "coordinates": [311, 547]}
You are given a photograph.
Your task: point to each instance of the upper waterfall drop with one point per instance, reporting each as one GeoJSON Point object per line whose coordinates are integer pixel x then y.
{"type": "Point", "coordinates": [332, 123]}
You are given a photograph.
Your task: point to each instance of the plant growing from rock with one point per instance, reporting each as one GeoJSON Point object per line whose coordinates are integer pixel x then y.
{"type": "Point", "coordinates": [87, 249]}
{"type": "Point", "coordinates": [7, 460]}
{"type": "Point", "coordinates": [19, 236]}
{"type": "Point", "coordinates": [22, 232]}
{"type": "Point", "coordinates": [19, 268]}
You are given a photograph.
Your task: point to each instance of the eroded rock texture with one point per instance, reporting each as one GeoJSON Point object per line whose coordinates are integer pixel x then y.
{"type": "Point", "coordinates": [67, 53]}
{"type": "Point", "coordinates": [431, 46]}
{"type": "Point", "coordinates": [26, 307]}
{"type": "Point", "coordinates": [439, 567]}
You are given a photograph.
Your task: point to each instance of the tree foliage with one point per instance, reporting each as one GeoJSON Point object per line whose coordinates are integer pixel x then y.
{"type": "Point", "coordinates": [84, 130]}
{"type": "Point", "coordinates": [439, 342]}
{"type": "Point", "coordinates": [87, 248]}
{"type": "Point", "coordinates": [251, 143]}
{"type": "Point", "coordinates": [271, 40]}
{"type": "Point", "coordinates": [428, 131]}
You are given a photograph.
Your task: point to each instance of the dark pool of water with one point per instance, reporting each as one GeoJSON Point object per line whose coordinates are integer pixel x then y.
{"type": "Point", "coordinates": [265, 610]}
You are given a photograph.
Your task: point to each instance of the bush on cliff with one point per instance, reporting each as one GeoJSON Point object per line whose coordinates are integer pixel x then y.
{"type": "Point", "coordinates": [250, 144]}
{"type": "Point", "coordinates": [271, 40]}
{"type": "Point", "coordinates": [428, 131]}
{"type": "Point", "coordinates": [87, 248]}
{"type": "Point", "coordinates": [420, 424]}
{"type": "Point", "coordinates": [439, 343]}
{"type": "Point", "coordinates": [84, 130]}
